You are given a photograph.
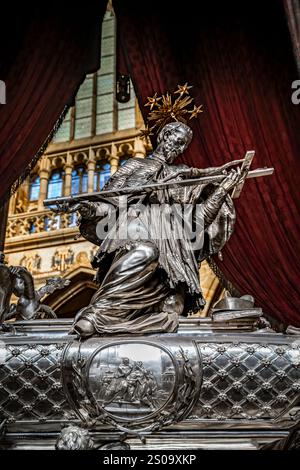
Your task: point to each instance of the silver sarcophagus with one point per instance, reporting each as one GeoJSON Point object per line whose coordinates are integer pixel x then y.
{"type": "Point", "coordinates": [206, 386]}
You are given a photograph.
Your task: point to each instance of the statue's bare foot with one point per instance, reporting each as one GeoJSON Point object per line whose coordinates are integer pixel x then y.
{"type": "Point", "coordinates": [83, 328]}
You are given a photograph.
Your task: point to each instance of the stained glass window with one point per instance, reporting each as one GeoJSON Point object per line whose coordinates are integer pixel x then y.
{"type": "Point", "coordinates": [63, 133]}
{"type": "Point", "coordinates": [101, 175]}
{"type": "Point", "coordinates": [79, 180]}
{"type": "Point", "coordinates": [96, 110]}
{"type": "Point", "coordinates": [83, 109]}
{"type": "Point", "coordinates": [55, 185]}
{"type": "Point", "coordinates": [106, 78]}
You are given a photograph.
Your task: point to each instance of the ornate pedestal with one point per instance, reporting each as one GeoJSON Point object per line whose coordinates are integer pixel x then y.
{"type": "Point", "coordinates": [205, 387]}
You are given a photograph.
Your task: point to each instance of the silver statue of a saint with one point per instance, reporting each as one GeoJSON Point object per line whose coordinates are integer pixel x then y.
{"type": "Point", "coordinates": [150, 275]}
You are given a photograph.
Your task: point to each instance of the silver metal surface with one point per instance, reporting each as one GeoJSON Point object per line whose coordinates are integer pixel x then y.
{"type": "Point", "coordinates": [234, 303]}
{"type": "Point", "coordinates": [214, 384]}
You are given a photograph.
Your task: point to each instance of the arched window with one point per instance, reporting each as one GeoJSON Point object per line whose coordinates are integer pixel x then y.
{"type": "Point", "coordinates": [34, 188]}
{"type": "Point", "coordinates": [102, 174]}
{"type": "Point", "coordinates": [55, 185]}
{"type": "Point", "coordinates": [79, 180]}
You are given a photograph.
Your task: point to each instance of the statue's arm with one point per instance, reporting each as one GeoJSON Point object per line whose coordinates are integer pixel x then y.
{"type": "Point", "coordinates": [212, 171]}
{"type": "Point", "coordinates": [190, 172]}
{"type": "Point", "coordinates": [28, 280]}
{"type": "Point", "coordinates": [209, 209]}
{"type": "Point", "coordinates": [118, 179]}
{"type": "Point", "coordinates": [87, 209]}
{"type": "Point", "coordinates": [29, 285]}
{"type": "Point", "coordinates": [52, 284]}
{"type": "Point", "coordinates": [96, 209]}
{"type": "Point", "coordinates": [41, 292]}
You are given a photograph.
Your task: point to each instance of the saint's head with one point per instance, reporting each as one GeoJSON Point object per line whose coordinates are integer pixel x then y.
{"type": "Point", "coordinates": [173, 140]}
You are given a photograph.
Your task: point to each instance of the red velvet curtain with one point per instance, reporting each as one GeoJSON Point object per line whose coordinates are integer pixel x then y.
{"type": "Point", "coordinates": [292, 8]}
{"type": "Point", "coordinates": [239, 58]}
{"type": "Point", "coordinates": [45, 53]}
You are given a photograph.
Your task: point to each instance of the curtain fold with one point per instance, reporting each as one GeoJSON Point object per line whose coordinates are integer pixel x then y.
{"type": "Point", "coordinates": [239, 58]}
{"type": "Point", "coordinates": [292, 8]}
{"type": "Point", "coordinates": [45, 53]}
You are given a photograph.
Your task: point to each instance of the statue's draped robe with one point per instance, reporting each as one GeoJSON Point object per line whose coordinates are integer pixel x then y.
{"type": "Point", "coordinates": [133, 287]}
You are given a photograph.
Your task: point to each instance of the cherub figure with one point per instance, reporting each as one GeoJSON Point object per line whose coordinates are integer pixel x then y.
{"type": "Point", "coordinates": [29, 306]}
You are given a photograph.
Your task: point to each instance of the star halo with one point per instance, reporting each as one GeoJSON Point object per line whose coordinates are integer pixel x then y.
{"type": "Point", "coordinates": [165, 109]}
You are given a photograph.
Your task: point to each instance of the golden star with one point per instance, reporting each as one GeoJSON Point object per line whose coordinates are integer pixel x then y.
{"type": "Point", "coordinates": [197, 110]}
{"type": "Point", "coordinates": [152, 101]}
{"type": "Point", "coordinates": [182, 89]}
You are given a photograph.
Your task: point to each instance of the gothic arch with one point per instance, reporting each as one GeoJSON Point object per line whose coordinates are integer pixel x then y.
{"type": "Point", "coordinates": [68, 301]}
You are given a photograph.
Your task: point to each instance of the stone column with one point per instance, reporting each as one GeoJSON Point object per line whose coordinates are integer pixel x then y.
{"type": "Point", "coordinates": [44, 174]}
{"type": "Point", "coordinates": [91, 171]}
{"type": "Point", "coordinates": [114, 159]}
{"type": "Point", "coordinates": [12, 204]}
{"type": "Point", "coordinates": [139, 148]}
{"type": "Point", "coordinates": [68, 175]}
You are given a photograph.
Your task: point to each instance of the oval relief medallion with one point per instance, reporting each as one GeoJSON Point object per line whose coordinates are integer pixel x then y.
{"type": "Point", "coordinates": [131, 380]}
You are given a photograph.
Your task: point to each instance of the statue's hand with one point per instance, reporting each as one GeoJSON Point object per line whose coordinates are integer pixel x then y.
{"type": "Point", "coordinates": [233, 178]}
{"type": "Point", "coordinates": [83, 207]}
{"type": "Point", "coordinates": [63, 207]}
{"type": "Point", "coordinates": [186, 172]}
{"type": "Point", "coordinates": [54, 283]}
{"type": "Point", "coordinates": [223, 168]}
{"type": "Point", "coordinates": [16, 270]}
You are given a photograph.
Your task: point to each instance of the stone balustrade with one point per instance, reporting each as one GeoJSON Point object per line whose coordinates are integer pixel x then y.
{"type": "Point", "coordinates": [37, 222]}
